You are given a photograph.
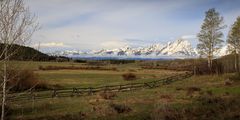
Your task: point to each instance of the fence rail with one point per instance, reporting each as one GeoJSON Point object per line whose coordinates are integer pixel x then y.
{"type": "Point", "coordinates": [32, 95]}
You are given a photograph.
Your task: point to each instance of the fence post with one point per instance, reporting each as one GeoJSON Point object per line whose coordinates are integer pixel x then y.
{"type": "Point", "coordinates": [148, 85]}
{"type": "Point", "coordinates": [142, 86]}
{"type": "Point", "coordinates": [54, 93]}
{"type": "Point", "coordinates": [78, 92]}
{"type": "Point", "coordinates": [90, 91]}
{"type": "Point", "coordinates": [32, 95]}
{"type": "Point", "coordinates": [154, 84]}
{"type": "Point", "coordinates": [120, 87]}
{"type": "Point", "coordinates": [73, 92]}
{"type": "Point", "coordinates": [145, 84]}
{"type": "Point", "coordinates": [164, 82]}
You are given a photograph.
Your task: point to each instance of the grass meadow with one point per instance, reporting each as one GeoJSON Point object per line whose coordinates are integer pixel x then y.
{"type": "Point", "coordinates": [142, 104]}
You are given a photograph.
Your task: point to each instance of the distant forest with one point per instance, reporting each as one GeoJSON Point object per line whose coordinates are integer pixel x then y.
{"type": "Point", "coordinates": [17, 52]}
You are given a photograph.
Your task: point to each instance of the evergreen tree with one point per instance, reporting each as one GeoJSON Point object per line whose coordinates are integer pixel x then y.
{"type": "Point", "coordinates": [234, 42]}
{"type": "Point", "coordinates": [210, 36]}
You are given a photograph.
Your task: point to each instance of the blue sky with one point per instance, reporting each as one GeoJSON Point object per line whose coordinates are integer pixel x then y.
{"type": "Point", "coordinates": [96, 24]}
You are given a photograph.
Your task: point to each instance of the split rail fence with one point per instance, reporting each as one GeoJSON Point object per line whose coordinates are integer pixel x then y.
{"type": "Point", "coordinates": [74, 92]}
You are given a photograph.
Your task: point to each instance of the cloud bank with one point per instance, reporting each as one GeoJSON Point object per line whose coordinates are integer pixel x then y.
{"type": "Point", "coordinates": [96, 24]}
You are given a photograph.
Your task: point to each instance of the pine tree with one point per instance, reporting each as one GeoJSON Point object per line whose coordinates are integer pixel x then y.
{"type": "Point", "coordinates": [234, 42]}
{"type": "Point", "coordinates": [210, 36]}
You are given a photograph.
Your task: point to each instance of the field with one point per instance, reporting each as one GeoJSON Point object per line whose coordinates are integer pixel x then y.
{"type": "Point", "coordinates": [91, 78]}
{"type": "Point", "coordinates": [142, 104]}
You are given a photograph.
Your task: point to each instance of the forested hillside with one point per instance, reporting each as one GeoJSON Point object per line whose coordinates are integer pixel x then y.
{"type": "Point", "coordinates": [18, 52]}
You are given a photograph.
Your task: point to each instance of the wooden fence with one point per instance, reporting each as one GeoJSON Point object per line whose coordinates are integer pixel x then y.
{"type": "Point", "coordinates": [73, 92]}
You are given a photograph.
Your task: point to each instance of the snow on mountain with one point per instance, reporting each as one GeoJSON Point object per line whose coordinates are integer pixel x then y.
{"type": "Point", "coordinates": [179, 48]}
{"type": "Point", "coordinates": [222, 51]}
{"type": "Point", "coordinates": [67, 53]}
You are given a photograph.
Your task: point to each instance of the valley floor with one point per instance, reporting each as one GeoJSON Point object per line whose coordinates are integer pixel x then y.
{"type": "Point", "coordinates": [198, 97]}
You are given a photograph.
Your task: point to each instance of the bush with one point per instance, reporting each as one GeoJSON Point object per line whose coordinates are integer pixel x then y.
{"type": "Point", "coordinates": [80, 61]}
{"type": "Point", "coordinates": [166, 112]}
{"type": "Point", "coordinates": [120, 108]}
{"type": "Point", "coordinates": [8, 111]}
{"type": "Point", "coordinates": [108, 95]}
{"type": "Point", "coordinates": [165, 96]}
{"type": "Point", "coordinates": [205, 108]}
{"type": "Point", "coordinates": [235, 77]}
{"type": "Point", "coordinates": [228, 82]}
{"type": "Point", "coordinates": [20, 80]}
{"type": "Point", "coordinates": [191, 90]}
{"type": "Point", "coordinates": [129, 76]}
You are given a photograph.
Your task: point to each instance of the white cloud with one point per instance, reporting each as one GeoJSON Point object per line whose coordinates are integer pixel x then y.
{"type": "Point", "coordinates": [50, 44]}
{"type": "Point", "coordinates": [189, 37]}
{"type": "Point", "coordinates": [117, 21]}
{"type": "Point", "coordinates": [93, 24]}
{"type": "Point", "coordinates": [113, 44]}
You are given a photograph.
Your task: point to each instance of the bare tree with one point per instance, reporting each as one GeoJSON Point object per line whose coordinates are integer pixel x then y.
{"type": "Point", "coordinates": [17, 25]}
{"type": "Point", "coordinates": [210, 36]}
{"type": "Point", "coordinates": [234, 42]}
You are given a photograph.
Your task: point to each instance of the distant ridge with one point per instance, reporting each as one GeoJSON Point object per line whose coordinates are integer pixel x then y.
{"type": "Point", "coordinates": [26, 53]}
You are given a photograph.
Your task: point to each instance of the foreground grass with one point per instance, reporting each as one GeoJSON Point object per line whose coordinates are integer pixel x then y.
{"type": "Point", "coordinates": [144, 103]}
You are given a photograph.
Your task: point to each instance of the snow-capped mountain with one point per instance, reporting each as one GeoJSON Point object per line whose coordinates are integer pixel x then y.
{"type": "Point", "coordinates": [67, 53]}
{"type": "Point", "coordinates": [223, 51]}
{"type": "Point", "coordinates": [180, 48]}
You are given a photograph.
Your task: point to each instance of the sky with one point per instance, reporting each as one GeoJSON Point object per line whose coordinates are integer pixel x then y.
{"type": "Point", "coordinates": [96, 24]}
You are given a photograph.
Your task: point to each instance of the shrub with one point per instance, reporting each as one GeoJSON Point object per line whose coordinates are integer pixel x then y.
{"type": "Point", "coordinates": [205, 108]}
{"type": "Point", "coordinates": [119, 108]}
{"type": "Point", "coordinates": [191, 90]}
{"type": "Point", "coordinates": [108, 95]}
{"type": "Point", "coordinates": [166, 112]}
{"type": "Point", "coordinates": [20, 80]}
{"type": "Point", "coordinates": [165, 96]}
{"type": "Point", "coordinates": [235, 77]}
{"type": "Point", "coordinates": [129, 76]}
{"type": "Point", "coordinates": [179, 88]}
{"type": "Point", "coordinates": [194, 89]}
{"type": "Point", "coordinates": [40, 67]}
{"type": "Point", "coordinates": [228, 82]}
{"type": "Point", "coordinates": [209, 92]}
{"type": "Point", "coordinates": [80, 61]}
{"type": "Point", "coordinates": [8, 111]}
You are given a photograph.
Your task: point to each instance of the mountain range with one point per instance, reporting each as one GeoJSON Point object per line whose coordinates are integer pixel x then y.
{"type": "Point", "coordinates": [180, 48]}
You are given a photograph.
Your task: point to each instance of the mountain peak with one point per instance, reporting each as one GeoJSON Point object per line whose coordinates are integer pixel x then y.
{"type": "Point", "coordinates": [180, 48]}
